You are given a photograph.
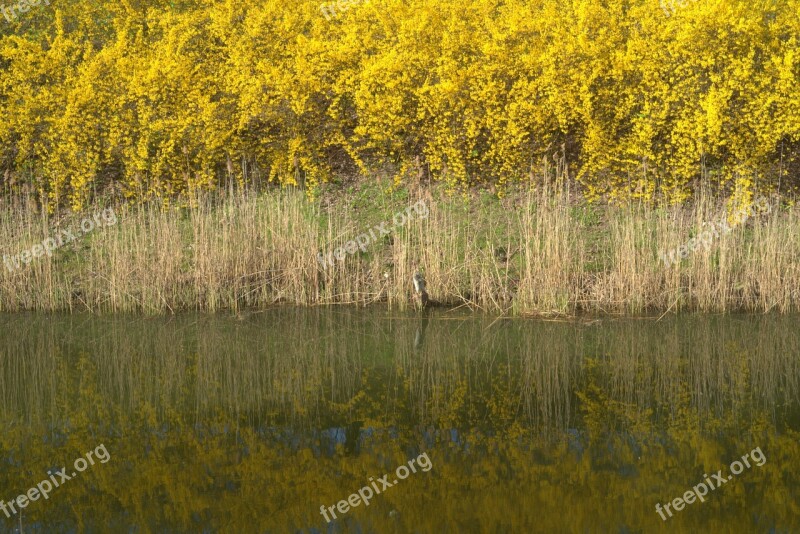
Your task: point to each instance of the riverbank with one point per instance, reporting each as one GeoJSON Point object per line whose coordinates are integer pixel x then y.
{"type": "Point", "coordinates": [542, 251]}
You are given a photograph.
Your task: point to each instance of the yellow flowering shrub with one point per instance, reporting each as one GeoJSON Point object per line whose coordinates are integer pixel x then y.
{"type": "Point", "coordinates": [642, 97]}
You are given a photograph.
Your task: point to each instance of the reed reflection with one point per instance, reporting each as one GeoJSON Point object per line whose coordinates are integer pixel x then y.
{"type": "Point", "coordinates": [251, 424]}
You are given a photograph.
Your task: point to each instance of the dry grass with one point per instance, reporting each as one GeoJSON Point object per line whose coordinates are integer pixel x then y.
{"type": "Point", "coordinates": [537, 252]}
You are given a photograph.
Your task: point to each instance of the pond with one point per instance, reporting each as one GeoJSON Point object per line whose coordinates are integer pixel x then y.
{"type": "Point", "coordinates": [368, 420]}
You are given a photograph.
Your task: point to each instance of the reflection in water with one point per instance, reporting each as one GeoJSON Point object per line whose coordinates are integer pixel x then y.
{"type": "Point", "coordinates": [419, 337]}
{"type": "Point", "coordinates": [249, 426]}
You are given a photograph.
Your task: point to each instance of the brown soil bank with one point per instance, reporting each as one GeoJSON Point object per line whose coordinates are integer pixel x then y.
{"type": "Point", "coordinates": [533, 252]}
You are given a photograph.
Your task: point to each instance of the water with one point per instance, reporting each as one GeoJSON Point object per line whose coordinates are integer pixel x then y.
{"type": "Point", "coordinates": [252, 424]}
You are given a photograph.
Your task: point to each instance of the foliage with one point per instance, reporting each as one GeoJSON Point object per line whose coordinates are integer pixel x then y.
{"type": "Point", "coordinates": [165, 99]}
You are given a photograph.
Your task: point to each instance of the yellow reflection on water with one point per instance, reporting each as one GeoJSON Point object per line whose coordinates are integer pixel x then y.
{"type": "Point", "coordinates": [251, 426]}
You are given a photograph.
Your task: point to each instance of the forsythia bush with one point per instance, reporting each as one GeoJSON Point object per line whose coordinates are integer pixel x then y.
{"type": "Point", "coordinates": [639, 96]}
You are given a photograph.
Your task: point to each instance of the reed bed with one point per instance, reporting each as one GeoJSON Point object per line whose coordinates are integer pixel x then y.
{"type": "Point", "coordinates": [541, 251]}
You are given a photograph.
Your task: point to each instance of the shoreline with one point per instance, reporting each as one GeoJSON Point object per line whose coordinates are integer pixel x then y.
{"type": "Point", "coordinates": [531, 253]}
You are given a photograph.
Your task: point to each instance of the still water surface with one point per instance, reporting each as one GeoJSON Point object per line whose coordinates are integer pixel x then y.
{"type": "Point", "coordinates": [251, 424]}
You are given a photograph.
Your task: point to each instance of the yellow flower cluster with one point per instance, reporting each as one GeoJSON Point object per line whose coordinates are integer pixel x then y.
{"type": "Point", "coordinates": [163, 100]}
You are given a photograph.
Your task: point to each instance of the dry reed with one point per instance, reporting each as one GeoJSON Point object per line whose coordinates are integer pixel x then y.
{"type": "Point", "coordinates": [541, 251]}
